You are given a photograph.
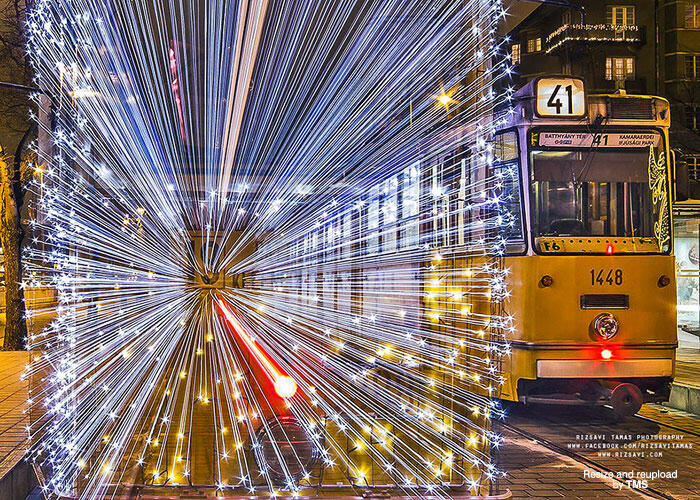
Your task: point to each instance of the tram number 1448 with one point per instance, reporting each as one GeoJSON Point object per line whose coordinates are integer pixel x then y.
{"type": "Point", "coordinates": [606, 277]}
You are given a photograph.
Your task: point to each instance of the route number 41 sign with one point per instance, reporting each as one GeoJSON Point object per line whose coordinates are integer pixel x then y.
{"type": "Point", "coordinates": [560, 97]}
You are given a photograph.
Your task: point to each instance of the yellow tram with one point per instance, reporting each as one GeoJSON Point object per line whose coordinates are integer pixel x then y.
{"type": "Point", "coordinates": [589, 264]}
{"type": "Point", "coordinates": [594, 293]}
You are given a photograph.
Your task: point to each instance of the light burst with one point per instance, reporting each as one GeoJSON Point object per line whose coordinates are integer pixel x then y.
{"type": "Point", "coordinates": [274, 245]}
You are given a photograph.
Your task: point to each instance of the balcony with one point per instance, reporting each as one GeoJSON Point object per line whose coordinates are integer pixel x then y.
{"type": "Point", "coordinates": [593, 33]}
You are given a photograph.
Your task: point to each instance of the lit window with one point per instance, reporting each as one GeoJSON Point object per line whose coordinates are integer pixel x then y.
{"type": "Point", "coordinates": [373, 221]}
{"type": "Point", "coordinates": [410, 206]}
{"type": "Point", "coordinates": [389, 206]}
{"type": "Point", "coordinates": [693, 163]}
{"type": "Point", "coordinates": [515, 53]}
{"type": "Point", "coordinates": [534, 44]}
{"type": "Point", "coordinates": [692, 117]}
{"type": "Point", "coordinates": [692, 66]}
{"type": "Point", "coordinates": [620, 15]}
{"type": "Point", "coordinates": [619, 68]}
{"type": "Point", "coordinates": [692, 15]}
{"type": "Point", "coordinates": [566, 17]}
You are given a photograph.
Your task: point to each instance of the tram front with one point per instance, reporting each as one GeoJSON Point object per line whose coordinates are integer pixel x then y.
{"type": "Point", "coordinates": [595, 296]}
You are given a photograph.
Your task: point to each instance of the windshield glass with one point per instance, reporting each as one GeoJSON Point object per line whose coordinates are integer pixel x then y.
{"type": "Point", "coordinates": [609, 189]}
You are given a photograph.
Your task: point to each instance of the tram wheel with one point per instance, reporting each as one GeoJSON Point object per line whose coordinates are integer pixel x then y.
{"type": "Point", "coordinates": [626, 400]}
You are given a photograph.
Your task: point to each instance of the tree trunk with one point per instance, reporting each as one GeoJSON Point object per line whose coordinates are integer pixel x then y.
{"type": "Point", "coordinates": [11, 236]}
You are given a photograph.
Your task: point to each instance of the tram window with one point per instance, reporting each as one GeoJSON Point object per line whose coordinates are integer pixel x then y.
{"type": "Point", "coordinates": [506, 172]}
{"type": "Point", "coordinates": [346, 235]}
{"type": "Point", "coordinates": [410, 206]}
{"type": "Point", "coordinates": [449, 203]}
{"type": "Point", "coordinates": [373, 221]}
{"type": "Point", "coordinates": [388, 212]}
{"type": "Point", "coordinates": [599, 192]}
{"type": "Point", "coordinates": [439, 207]}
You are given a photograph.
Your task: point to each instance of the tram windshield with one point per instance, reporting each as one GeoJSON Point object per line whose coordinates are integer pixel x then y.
{"type": "Point", "coordinates": [588, 197]}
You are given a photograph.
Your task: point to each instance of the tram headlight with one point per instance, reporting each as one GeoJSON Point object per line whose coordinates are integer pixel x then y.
{"type": "Point", "coordinates": [605, 325]}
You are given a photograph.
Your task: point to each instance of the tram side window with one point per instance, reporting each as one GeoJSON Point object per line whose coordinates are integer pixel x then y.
{"type": "Point", "coordinates": [452, 205]}
{"type": "Point", "coordinates": [388, 214]}
{"type": "Point", "coordinates": [346, 235]}
{"type": "Point", "coordinates": [373, 221]}
{"type": "Point", "coordinates": [440, 210]}
{"type": "Point", "coordinates": [506, 172]}
{"type": "Point", "coordinates": [473, 173]}
{"type": "Point", "coordinates": [410, 206]}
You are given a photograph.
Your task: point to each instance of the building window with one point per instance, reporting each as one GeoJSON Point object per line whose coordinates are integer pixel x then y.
{"type": "Point", "coordinates": [692, 66]}
{"type": "Point", "coordinates": [692, 117]}
{"type": "Point", "coordinates": [619, 68]}
{"type": "Point", "coordinates": [566, 17]}
{"type": "Point", "coordinates": [692, 15]}
{"type": "Point", "coordinates": [534, 44]}
{"type": "Point", "coordinates": [620, 15]}
{"type": "Point", "coordinates": [693, 163]}
{"type": "Point", "coordinates": [515, 53]}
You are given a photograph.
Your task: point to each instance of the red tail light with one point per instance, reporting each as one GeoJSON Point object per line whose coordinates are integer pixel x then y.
{"type": "Point", "coordinates": [606, 354]}
{"type": "Point", "coordinates": [610, 249]}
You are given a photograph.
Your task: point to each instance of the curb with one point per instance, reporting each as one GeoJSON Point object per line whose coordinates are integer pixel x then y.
{"type": "Point", "coordinates": [686, 398]}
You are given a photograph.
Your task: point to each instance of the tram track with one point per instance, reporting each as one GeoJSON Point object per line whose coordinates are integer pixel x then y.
{"type": "Point", "coordinates": [582, 459]}
{"type": "Point", "coordinates": [670, 426]}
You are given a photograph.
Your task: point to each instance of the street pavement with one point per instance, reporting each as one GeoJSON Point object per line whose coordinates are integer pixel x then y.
{"type": "Point", "coordinates": [635, 447]}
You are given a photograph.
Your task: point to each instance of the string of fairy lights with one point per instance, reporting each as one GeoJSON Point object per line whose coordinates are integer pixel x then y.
{"type": "Point", "coordinates": [273, 230]}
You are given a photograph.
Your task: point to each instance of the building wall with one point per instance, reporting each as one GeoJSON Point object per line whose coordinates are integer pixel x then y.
{"type": "Point", "coordinates": [680, 45]}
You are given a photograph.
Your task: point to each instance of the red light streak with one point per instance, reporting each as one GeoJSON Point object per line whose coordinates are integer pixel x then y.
{"type": "Point", "coordinates": [285, 386]}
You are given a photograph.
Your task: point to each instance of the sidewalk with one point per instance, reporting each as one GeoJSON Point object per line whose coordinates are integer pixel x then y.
{"type": "Point", "coordinates": [685, 392]}
{"type": "Point", "coordinates": [16, 477]}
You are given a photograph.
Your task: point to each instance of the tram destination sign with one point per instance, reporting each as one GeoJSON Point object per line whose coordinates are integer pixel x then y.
{"type": "Point", "coordinates": [588, 140]}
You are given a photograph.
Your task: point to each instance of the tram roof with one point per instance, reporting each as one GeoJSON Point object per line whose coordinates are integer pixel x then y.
{"type": "Point", "coordinates": [617, 108]}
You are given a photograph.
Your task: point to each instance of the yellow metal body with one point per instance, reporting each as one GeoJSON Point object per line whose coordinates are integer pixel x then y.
{"type": "Point", "coordinates": [551, 325]}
